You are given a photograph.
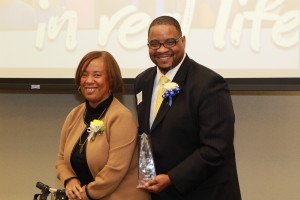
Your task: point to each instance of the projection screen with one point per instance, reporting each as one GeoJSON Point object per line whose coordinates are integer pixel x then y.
{"type": "Point", "coordinates": [236, 38]}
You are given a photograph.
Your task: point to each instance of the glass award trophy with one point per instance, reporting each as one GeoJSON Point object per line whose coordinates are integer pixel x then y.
{"type": "Point", "coordinates": [146, 162]}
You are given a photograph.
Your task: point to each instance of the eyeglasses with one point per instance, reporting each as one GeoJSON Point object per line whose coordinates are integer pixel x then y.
{"type": "Point", "coordinates": [155, 44]}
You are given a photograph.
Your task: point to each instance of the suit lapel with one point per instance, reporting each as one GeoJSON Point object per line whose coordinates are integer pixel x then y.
{"type": "Point", "coordinates": [179, 78]}
{"type": "Point", "coordinates": [147, 93]}
{"type": "Point", "coordinates": [160, 114]}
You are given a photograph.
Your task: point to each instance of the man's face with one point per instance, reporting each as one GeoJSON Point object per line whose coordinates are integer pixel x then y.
{"type": "Point", "coordinates": [166, 58]}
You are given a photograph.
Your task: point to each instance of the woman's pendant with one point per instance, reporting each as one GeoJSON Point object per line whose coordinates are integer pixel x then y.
{"type": "Point", "coordinates": [81, 148]}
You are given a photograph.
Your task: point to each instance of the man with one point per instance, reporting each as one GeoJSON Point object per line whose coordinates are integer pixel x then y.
{"type": "Point", "coordinates": [192, 133]}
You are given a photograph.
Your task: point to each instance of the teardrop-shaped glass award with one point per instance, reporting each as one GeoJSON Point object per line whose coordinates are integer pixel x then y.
{"type": "Point", "coordinates": [146, 162]}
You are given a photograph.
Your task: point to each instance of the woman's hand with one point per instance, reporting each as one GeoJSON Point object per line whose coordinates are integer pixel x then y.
{"type": "Point", "coordinates": [73, 189]}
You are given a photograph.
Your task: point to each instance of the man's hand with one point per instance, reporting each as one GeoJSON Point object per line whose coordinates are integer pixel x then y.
{"type": "Point", "coordinates": [158, 184]}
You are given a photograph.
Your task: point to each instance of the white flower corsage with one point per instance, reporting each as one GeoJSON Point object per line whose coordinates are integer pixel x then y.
{"type": "Point", "coordinates": [171, 89]}
{"type": "Point", "coordinates": [96, 128]}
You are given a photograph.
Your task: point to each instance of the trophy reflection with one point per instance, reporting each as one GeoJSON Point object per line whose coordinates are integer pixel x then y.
{"type": "Point", "coordinates": [146, 162]}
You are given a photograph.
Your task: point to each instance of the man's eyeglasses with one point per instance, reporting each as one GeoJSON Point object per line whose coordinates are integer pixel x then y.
{"type": "Point", "coordinates": [155, 44]}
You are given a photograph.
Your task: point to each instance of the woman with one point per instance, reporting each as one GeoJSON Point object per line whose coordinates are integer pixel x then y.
{"type": "Point", "coordinates": [103, 164]}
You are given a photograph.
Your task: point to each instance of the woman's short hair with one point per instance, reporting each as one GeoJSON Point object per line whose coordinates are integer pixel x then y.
{"type": "Point", "coordinates": [112, 68]}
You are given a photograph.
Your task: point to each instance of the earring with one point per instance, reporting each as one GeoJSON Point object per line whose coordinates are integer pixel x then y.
{"type": "Point", "coordinates": [79, 90]}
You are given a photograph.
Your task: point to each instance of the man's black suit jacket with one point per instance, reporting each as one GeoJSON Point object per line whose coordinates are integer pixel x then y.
{"type": "Point", "coordinates": [192, 139]}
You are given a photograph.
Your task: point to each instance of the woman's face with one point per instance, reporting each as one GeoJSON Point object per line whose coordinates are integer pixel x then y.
{"type": "Point", "coordinates": [94, 82]}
